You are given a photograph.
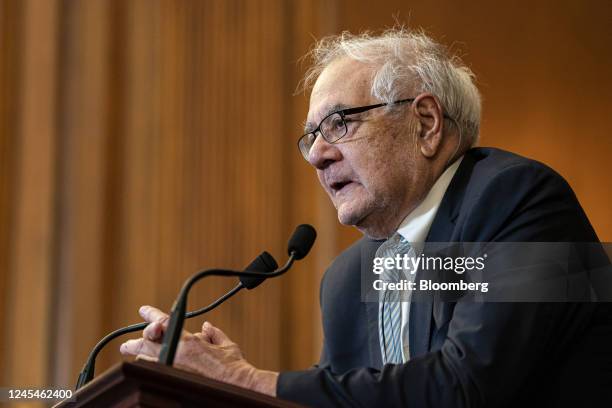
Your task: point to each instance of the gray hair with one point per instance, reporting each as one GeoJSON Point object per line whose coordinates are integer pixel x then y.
{"type": "Point", "coordinates": [408, 60]}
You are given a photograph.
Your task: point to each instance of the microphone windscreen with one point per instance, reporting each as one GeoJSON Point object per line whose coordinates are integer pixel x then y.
{"type": "Point", "coordinates": [263, 263]}
{"type": "Point", "coordinates": [301, 241]}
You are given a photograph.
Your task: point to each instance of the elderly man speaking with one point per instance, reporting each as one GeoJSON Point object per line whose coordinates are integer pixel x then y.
{"type": "Point", "coordinates": [391, 130]}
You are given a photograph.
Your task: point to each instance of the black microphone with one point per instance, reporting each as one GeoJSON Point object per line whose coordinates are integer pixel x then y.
{"type": "Point", "coordinates": [299, 245]}
{"type": "Point", "coordinates": [263, 263]}
{"type": "Point", "coordinates": [301, 241]}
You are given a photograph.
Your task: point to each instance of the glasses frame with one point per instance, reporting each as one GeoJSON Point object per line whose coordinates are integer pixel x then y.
{"type": "Point", "coordinates": [343, 113]}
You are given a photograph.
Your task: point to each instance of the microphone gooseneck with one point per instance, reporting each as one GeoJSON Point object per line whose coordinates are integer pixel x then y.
{"type": "Point", "coordinates": [299, 245]}
{"type": "Point", "coordinates": [175, 325]}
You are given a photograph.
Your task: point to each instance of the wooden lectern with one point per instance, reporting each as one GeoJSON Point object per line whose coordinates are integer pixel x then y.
{"type": "Point", "coordinates": [152, 385]}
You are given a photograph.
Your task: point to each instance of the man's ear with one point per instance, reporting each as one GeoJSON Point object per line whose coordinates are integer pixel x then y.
{"type": "Point", "coordinates": [428, 111]}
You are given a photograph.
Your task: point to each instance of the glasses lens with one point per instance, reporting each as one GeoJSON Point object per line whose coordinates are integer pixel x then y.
{"type": "Point", "coordinates": [305, 144]}
{"type": "Point", "coordinates": [333, 127]}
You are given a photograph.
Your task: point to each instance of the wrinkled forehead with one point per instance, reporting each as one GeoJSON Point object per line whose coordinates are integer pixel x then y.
{"type": "Point", "coordinates": [342, 84]}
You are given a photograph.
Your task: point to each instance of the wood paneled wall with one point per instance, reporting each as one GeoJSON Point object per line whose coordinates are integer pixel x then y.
{"type": "Point", "coordinates": [29, 129]}
{"type": "Point", "coordinates": [141, 141]}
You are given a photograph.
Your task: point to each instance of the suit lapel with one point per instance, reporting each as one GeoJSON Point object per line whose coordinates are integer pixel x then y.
{"type": "Point", "coordinates": [442, 230]}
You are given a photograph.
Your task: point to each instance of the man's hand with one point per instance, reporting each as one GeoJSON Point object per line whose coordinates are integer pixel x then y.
{"type": "Point", "coordinates": [209, 353]}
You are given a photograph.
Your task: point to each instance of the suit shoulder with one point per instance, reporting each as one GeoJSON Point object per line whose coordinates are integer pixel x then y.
{"type": "Point", "coordinates": [491, 161]}
{"type": "Point", "coordinates": [348, 261]}
{"type": "Point", "coordinates": [350, 255]}
{"type": "Point", "coordinates": [354, 250]}
{"type": "Point", "coordinates": [515, 198]}
{"type": "Point", "coordinates": [496, 167]}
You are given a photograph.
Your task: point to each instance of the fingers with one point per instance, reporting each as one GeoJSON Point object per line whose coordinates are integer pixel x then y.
{"type": "Point", "coordinates": [214, 335]}
{"type": "Point", "coordinates": [152, 314]}
{"type": "Point", "coordinates": [155, 331]}
{"type": "Point", "coordinates": [140, 346]}
{"type": "Point", "coordinates": [158, 322]}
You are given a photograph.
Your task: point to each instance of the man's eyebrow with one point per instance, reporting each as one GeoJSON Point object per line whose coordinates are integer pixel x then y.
{"type": "Point", "coordinates": [310, 126]}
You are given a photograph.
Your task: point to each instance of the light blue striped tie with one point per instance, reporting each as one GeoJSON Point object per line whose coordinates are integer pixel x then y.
{"type": "Point", "coordinates": [389, 311]}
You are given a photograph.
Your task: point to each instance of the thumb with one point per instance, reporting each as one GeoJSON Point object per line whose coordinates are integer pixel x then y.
{"type": "Point", "coordinates": [215, 335]}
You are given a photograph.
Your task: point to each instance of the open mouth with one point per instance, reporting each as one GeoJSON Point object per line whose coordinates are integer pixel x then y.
{"type": "Point", "coordinates": [337, 186]}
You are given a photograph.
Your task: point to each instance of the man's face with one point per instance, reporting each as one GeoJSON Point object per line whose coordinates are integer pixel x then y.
{"type": "Point", "coordinates": [374, 175]}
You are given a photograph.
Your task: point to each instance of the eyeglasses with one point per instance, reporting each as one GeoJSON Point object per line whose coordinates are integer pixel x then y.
{"type": "Point", "coordinates": [333, 127]}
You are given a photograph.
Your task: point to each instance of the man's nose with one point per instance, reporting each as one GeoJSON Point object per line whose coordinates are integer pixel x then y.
{"type": "Point", "coordinates": [323, 153]}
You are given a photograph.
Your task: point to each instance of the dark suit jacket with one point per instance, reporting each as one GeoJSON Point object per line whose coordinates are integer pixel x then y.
{"type": "Point", "coordinates": [469, 353]}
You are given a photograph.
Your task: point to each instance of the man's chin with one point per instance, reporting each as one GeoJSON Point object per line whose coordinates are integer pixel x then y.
{"type": "Point", "coordinates": [348, 216]}
{"type": "Point", "coordinates": [358, 220]}
{"type": "Point", "coordinates": [363, 223]}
